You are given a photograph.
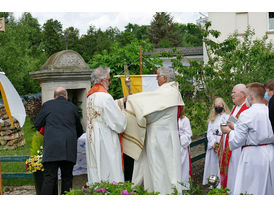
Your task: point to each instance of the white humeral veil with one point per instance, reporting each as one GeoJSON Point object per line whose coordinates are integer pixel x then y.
{"type": "Point", "coordinates": [152, 138]}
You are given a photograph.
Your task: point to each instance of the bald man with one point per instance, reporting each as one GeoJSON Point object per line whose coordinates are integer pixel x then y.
{"type": "Point", "coordinates": [62, 125]}
{"type": "Point", "coordinates": [228, 160]}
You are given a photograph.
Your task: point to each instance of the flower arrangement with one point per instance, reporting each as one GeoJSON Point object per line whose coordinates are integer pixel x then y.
{"type": "Point", "coordinates": [114, 188]}
{"type": "Point", "coordinates": [34, 163]}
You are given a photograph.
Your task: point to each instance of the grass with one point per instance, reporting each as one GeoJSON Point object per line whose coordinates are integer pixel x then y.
{"type": "Point", "coordinates": [29, 131]}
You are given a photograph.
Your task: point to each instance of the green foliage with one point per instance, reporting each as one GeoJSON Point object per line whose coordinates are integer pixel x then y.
{"type": "Point", "coordinates": [114, 188]}
{"type": "Point", "coordinates": [193, 190]}
{"type": "Point", "coordinates": [233, 61]}
{"type": "Point", "coordinates": [37, 143]}
{"type": "Point", "coordinates": [162, 31]}
{"type": "Point", "coordinates": [219, 191]}
{"type": "Point", "coordinates": [129, 54]}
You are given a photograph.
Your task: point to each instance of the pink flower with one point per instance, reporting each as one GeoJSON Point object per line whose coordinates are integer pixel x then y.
{"type": "Point", "coordinates": [124, 192]}
{"type": "Point", "coordinates": [103, 190]}
{"type": "Point", "coordinates": [115, 183]}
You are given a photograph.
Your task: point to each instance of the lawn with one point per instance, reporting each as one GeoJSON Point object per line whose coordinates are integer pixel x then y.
{"type": "Point", "coordinates": [19, 166]}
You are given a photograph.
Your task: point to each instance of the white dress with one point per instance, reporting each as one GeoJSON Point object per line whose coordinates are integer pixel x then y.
{"type": "Point", "coordinates": [213, 135]}
{"type": "Point", "coordinates": [256, 165]}
{"type": "Point", "coordinates": [105, 121]}
{"type": "Point", "coordinates": [185, 133]}
{"type": "Point", "coordinates": [159, 164]}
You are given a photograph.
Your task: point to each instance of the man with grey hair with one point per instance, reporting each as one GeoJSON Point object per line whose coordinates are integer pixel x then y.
{"type": "Point", "coordinates": [151, 137]}
{"type": "Point", "coordinates": [228, 160]}
{"type": "Point", "coordinates": [105, 122]}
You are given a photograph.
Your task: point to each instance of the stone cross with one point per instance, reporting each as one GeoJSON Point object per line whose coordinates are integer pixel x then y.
{"type": "Point", "coordinates": [66, 39]}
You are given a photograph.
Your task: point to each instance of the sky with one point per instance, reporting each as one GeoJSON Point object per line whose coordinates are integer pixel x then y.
{"type": "Point", "coordinates": [118, 13]}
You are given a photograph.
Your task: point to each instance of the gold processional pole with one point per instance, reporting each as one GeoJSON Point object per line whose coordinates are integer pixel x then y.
{"type": "Point", "coordinates": [127, 79]}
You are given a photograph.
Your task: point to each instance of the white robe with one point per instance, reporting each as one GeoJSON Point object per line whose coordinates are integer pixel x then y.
{"type": "Point", "coordinates": [211, 159]}
{"type": "Point", "coordinates": [256, 166]}
{"type": "Point", "coordinates": [159, 163]}
{"type": "Point", "coordinates": [105, 121]}
{"type": "Point", "coordinates": [185, 133]}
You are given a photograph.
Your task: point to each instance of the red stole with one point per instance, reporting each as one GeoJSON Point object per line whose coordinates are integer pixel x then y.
{"type": "Point", "coordinates": [101, 88]}
{"type": "Point", "coordinates": [178, 116]}
{"type": "Point", "coordinates": [224, 156]}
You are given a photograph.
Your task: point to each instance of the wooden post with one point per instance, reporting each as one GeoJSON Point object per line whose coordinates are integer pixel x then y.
{"type": "Point", "coordinates": [2, 24]}
{"type": "Point", "coordinates": [141, 61]}
{"type": "Point", "coordinates": [1, 186]}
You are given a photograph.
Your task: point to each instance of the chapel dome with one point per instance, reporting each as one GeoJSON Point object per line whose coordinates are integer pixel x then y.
{"type": "Point", "coordinates": [66, 60]}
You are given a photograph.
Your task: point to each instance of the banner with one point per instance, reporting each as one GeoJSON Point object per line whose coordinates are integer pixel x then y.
{"type": "Point", "coordinates": [140, 83]}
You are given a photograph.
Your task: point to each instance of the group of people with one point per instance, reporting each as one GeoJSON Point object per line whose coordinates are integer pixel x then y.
{"type": "Point", "coordinates": [241, 142]}
{"type": "Point", "coordinates": [145, 137]}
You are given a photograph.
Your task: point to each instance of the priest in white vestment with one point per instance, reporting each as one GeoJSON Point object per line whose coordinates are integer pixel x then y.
{"type": "Point", "coordinates": [228, 160]}
{"type": "Point", "coordinates": [219, 114]}
{"type": "Point", "coordinates": [151, 136]}
{"type": "Point", "coordinates": [105, 121]}
{"type": "Point", "coordinates": [254, 136]}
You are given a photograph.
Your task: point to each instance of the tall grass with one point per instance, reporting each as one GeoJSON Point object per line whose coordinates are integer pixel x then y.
{"type": "Point", "coordinates": [29, 131]}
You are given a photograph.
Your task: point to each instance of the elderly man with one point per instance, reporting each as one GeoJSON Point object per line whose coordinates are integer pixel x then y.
{"type": "Point", "coordinates": [253, 134]}
{"type": "Point", "coordinates": [105, 121]}
{"type": "Point", "coordinates": [62, 125]}
{"type": "Point", "coordinates": [151, 136]}
{"type": "Point", "coordinates": [228, 160]}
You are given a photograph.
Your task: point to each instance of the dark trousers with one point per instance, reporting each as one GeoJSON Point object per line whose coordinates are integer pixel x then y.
{"type": "Point", "coordinates": [51, 177]}
{"type": "Point", "coordinates": [128, 167]}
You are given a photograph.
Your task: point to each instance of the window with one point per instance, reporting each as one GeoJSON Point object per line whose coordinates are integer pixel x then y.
{"type": "Point", "coordinates": [271, 20]}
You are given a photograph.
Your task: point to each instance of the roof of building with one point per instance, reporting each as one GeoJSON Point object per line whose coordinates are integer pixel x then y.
{"type": "Point", "coordinates": [186, 51]}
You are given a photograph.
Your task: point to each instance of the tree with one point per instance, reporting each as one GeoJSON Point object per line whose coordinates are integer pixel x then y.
{"type": "Point", "coordinates": [162, 32]}
{"type": "Point", "coordinates": [129, 54]}
{"type": "Point", "coordinates": [52, 33]}
{"type": "Point", "coordinates": [231, 62]}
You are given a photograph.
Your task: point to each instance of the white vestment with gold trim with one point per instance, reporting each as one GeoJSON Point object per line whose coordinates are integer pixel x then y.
{"type": "Point", "coordinates": [105, 121]}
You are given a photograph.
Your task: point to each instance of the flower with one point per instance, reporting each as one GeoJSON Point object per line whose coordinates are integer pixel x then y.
{"type": "Point", "coordinates": [34, 163]}
{"type": "Point", "coordinates": [103, 190]}
{"type": "Point", "coordinates": [115, 183]}
{"type": "Point", "coordinates": [124, 192]}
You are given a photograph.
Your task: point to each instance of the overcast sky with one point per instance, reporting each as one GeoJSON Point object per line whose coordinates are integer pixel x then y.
{"type": "Point", "coordinates": [118, 13]}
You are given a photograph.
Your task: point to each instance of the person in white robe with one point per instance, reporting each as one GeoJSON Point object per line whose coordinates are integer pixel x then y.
{"type": "Point", "coordinates": [228, 160]}
{"type": "Point", "coordinates": [254, 136]}
{"type": "Point", "coordinates": [151, 137]}
{"type": "Point", "coordinates": [105, 121]}
{"type": "Point", "coordinates": [185, 134]}
{"type": "Point", "coordinates": [219, 114]}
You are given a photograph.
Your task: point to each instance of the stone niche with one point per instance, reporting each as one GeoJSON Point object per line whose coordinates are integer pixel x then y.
{"type": "Point", "coordinates": [69, 70]}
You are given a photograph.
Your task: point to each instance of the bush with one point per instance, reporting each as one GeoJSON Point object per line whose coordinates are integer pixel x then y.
{"type": "Point", "coordinates": [114, 188]}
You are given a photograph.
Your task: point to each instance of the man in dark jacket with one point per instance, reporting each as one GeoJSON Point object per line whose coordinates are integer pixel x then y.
{"type": "Point", "coordinates": [269, 86]}
{"type": "Point", "coordinates": [62, 125]}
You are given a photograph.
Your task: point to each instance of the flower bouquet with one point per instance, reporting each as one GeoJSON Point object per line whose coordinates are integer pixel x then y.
{"type": "Point", "coordinates": [34, 163]}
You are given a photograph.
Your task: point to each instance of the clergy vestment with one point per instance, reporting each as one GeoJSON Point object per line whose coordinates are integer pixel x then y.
{"type": "Point", "coordinates": [253, 134]}
{"type": "Point", "coordinates": [214, 134]}
{"type": "Point", "coordinates": [185, 133]}
{"type": "Point", "coordinates": [152, 138]}
{"type": "Point", "coordinates": [105, 121]}
{"type": "Point", "coordinates": [228, 160]}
